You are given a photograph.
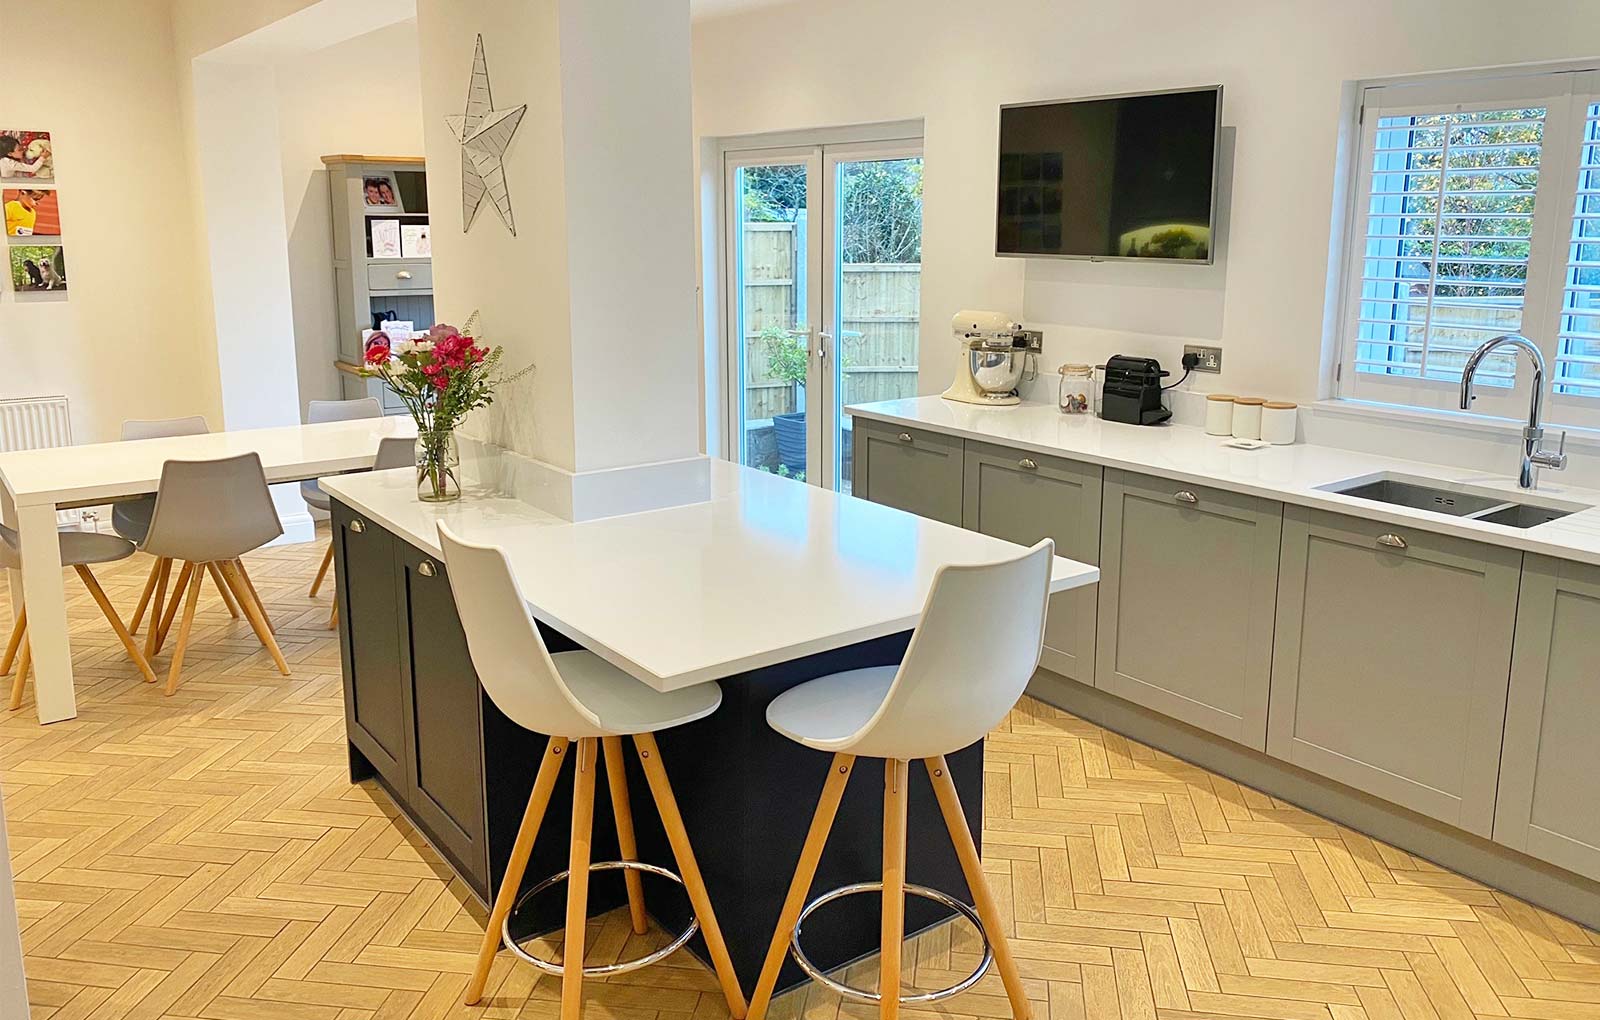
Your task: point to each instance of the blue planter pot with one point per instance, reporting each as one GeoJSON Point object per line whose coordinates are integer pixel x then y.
{"type": "Point", "coordinates": [791, 433]}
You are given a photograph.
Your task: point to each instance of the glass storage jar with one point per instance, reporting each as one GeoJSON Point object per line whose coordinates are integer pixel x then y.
{"type": "Point", "coordinates": [1077, 389]}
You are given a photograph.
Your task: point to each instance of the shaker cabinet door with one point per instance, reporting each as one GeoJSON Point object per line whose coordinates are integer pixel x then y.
{"type": "Point", "coordinates": [370, 643]}
{"type": "Point", "coordinates": [446, 770]}
{"type": "Point", "coordinates": [1024, 497]}
{"type": "Point", "coordinates": [908, 469]}
{"type": "Point", "coordinates": [1547, 805]}
{"type": "Point", "coordinates": [1187, 589]}
{"type": "Point", "coordinates": [1391, 661]}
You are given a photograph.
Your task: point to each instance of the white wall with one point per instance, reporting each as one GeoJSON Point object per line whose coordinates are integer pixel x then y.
{"type": "Point", "coordinates": [953, 63]}
{"type": "Point", "coordinates": [363, 95]}
{"type": "Point", "coordinates": [130, 340]}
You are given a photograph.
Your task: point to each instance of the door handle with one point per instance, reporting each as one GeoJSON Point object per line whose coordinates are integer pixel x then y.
{"type": "Point", "coordinates": [358, 526]}
{"type": "Point", "coordinates": [1185, 496]}
{"type": "Point", "coordinates": [426, 568]}
{"type": "Point", "coordinates": [1392, 540]}
{"type": "Point", "coordinates": [1028, 463]}
{"type": "Point", "coordinates": [823, 340]}
{"type": "Point", "coordinates": [905, 437]}
{"type": "Point", "coordinates": [402, 275]}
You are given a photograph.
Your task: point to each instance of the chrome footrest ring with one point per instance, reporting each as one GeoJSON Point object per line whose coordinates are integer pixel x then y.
{"type": "Point", "coordinates": [620, 967]}
{"type": "Point", "coordinates": [816, 974]}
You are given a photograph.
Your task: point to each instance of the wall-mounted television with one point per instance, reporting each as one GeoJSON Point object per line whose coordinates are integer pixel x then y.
{"type": "Point", "coordinates": [1111, 177]}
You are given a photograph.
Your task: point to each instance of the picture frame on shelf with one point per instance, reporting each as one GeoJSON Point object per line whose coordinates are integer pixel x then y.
{"type": "Point", "coordinates": [379, 193]}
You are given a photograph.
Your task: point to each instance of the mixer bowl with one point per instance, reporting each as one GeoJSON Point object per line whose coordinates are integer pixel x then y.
{"type": "Point", "coordinates": [996, 371]}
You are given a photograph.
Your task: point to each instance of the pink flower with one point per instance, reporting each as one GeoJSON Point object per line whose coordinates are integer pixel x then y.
{"type": "Point", "coordinates": [442, 331]}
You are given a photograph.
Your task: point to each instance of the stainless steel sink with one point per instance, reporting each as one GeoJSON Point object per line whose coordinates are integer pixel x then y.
{"type": "Point", "coordinates": [1452, 501]}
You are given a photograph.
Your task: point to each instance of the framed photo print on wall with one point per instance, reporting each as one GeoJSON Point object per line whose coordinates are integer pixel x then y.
{"type": "Point", "coordinates": [38, 268]}
{"type": "Point", "coordinates": [26, 156]}
{"type": "Point", "coordinates": [31, 212]}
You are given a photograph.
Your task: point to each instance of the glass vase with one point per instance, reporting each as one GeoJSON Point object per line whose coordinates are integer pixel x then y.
{"type": "Point", "coordinates": [438, 467]}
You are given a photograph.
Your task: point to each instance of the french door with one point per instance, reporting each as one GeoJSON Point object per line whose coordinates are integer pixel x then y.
{"type": "Point", "coordinates": [823, 264]}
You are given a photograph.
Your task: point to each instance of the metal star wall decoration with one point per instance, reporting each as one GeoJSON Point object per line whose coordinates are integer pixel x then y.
{"type": "Point", "coordinates": [485, 134]}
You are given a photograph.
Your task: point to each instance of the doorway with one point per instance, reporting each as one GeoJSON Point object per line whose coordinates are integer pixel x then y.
{"type": "Point", "coordinates": [823, 264]}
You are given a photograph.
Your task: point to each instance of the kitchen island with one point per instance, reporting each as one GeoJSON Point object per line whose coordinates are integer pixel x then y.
{"type": "Point", "coordinates": [764, 585]}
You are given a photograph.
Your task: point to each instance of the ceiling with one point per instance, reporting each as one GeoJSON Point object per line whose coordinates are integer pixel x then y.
{"type": "Point", "coordinates": [718, 8]}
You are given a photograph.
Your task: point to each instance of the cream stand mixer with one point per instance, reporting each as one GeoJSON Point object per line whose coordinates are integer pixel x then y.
{"type": "Point", "coordinates": [995, 352]}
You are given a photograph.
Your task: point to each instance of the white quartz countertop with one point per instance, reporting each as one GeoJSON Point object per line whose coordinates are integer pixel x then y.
{"type": "Point", "coordinates": [767, 570]}
{"type": "Point", "coordinates": [1295, 474]}
{"type": "Point", "coordinates": [106, 471]}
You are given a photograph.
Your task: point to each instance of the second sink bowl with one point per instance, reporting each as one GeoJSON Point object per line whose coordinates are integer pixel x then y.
{"type": "Point", "coordinates": [1452, 500]}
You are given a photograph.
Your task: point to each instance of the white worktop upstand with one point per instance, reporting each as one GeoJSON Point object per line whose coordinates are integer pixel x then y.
{"type": "Point", "coordinates": [765, 571]}
{"type": "Point", "coordinates": [1290, 474]}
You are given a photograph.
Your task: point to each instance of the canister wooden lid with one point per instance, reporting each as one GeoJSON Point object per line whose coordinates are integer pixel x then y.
{"type": "Point", "coordinates": [1229, 397]}
{"type": "Point", "coordinates": [1249, 400]}
{"type": "Point", "coordinates": [1279, 405]}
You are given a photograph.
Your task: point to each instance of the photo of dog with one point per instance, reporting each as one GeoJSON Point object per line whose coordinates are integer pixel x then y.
{"type": "Point", "coordinates": [26, 156]}
{"type": "Point", "coordinates": [37, 268]}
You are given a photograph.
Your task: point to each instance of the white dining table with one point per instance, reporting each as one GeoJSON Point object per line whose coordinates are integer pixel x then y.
{"type": "Point", "coordinates": [35, 484]}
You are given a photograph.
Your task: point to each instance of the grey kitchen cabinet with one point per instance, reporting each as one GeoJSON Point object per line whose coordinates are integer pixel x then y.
{"type": "Point", "coordinates": [1188, 589]}
{"type": "Point", "coordinates": [909, 469]}
{"type": "Point", "coordinates": [1547, 806]}
{"type": "Point", "coordinates": [1024, 497]}
{"type": "Point", "coordinates": [1391, 662]}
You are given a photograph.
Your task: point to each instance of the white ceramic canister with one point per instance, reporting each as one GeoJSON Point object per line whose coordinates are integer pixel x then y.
{"type": "Point", "coordinates": [1219, 414]}
{"type": "Point", "coordinates": [1278, 422]}
{"type": "Point", "coordinates": [1247, 417]}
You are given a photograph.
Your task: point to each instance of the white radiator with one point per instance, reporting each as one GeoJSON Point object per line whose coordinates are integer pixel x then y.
{"type": "Point", "coordinates": [34, 423]}
{"type": "Point", "coordinates": [38, 423]}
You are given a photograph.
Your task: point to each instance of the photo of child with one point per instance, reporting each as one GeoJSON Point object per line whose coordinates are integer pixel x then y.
{"type": "Point", "coordinates": [379, 193]}
{"type": "Point", "coordinates": [31, 212]}
{"type": "Point", "coordinates": [26, 155]}
{"type": "Point", "coordinates": [38, 267]}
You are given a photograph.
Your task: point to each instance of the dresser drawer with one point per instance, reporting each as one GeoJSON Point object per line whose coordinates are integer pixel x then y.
{"type": "Point", "coordinates": [400, 276]}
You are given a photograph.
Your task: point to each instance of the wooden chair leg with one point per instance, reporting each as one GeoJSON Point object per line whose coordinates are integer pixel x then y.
{"type": "Point", "coordinates": [689, 870]}
{"type": "Point", "coordinates": [89, 582]}
{"type": "Point", "coordinates": [617, 777]}
{"type": "Point", "coordinates": [144, 596]}
{"type": "Point", "coordinates": [251, 587]}
{"type": "Point", "coordinates": [511, 884]}
{"type": "Point", "coordinates": [160, 629]}
{"type": "Point", "coordinates": [24, 660]}
{"type": "Point", "coordinates": [223, 590]}
{"type": "Point", "coordinates": [333, 616]}
{"type": "Point", "coordinates": [164, 567]}
{"type": "Point", "coordinates": [18, 629]}
{"type": "Point", "coordinates": [956, 821]}
{"type": "Point", "coordinates": [893, 930]}
{"type": "Point", "coordinates": [254, 613]}
{"type": "Point", "coordinates": [322, 571]}
{"type": "Point", "coordinates": [800, 886]}
{"type": "Point", "coordinates": [578, 880]}
{"type": "Point", "coordinates": [196, 579]}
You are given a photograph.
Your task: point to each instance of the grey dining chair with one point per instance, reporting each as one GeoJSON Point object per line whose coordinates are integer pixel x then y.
{"type": "Point", "coordinates": [79, 549]}
{"type": "Point", "coordinates": [209, 513]}
{"type": "Point", "coordinates": [393, 452]}
{"type": "Point", "coordinates": [319, 411]}
{"type": "Point", "coordinates": [131, 518]}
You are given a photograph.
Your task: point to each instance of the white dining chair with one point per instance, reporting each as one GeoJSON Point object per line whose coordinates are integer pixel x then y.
{"type": "Point", "coordinates": [79, 549]}
{"type": "Point", "coordinates": [130, 518]}
{"type": "Point", "coordinates": [209, 513]}
{"type": "Point", "coordinates": [393, 452]}
{"type": "Point", "coordinates": [578, 699]}
{"type": "Point", "coordinates": [970, 657]}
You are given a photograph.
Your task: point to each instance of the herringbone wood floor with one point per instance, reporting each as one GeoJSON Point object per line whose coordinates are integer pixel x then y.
{"type": "Point", "coordinates": [204, 856]}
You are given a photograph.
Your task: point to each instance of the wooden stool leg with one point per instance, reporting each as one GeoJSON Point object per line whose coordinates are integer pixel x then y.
{"type": "Point", "coordinates": [165, 570]}
{"type": "Point", "coordinates": [24, 660]}
{"type": "Point", "coordinates": [693, 883]}
{"type": "Point", "coordinates": [322, 571]}
{"type": "Point", "coordinates": [956, 821]}
{"type": "Point", "coordinates": [197, 577]}
{"type": "Point", "coordinates": [160, 629]}
{"type": "Point", "coordinates": [895, 776]}
{"type": "Point", "coordinates": [17, 630]}
{"type": "Point", "coordinates": [251, 586]}
{"type": "Point", "coordinates": [144, 596]}
{"type": "Point", "coordinates": [89, 582]}
{"type": "Point", "coordinates": [532, 818]}
{"type": "Point", "coordinates": [578, 880]}
{"type": "Point", "coordinates": [804, 871]}
{"type": "Point", "coordinates": [253, 612]}
{"type": "Point", "coordinates": [617, 777]}
{"type": "Point", "coordinates": [222, 589]}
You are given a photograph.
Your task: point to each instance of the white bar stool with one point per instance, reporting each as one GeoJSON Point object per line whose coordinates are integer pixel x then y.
{"type": "Point", "coordinates": [949, 691]}
{"type": "Point", "coordinates": [577, 697]}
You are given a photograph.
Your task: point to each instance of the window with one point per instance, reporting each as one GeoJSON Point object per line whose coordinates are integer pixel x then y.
{"type": "Point", "coordinates": [1477, 213]}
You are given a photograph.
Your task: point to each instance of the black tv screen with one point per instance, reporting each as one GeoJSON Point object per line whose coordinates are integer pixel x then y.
{"type": "Point", "coordinates": [1123, 177]}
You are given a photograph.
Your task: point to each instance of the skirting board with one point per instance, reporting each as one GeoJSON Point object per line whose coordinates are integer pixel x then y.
{"type": "Point", "coordinates": [1560, 892]}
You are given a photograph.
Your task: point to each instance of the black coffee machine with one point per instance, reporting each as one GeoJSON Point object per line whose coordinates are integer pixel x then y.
{"type": "Point", "coordinates": [1132, 391]}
